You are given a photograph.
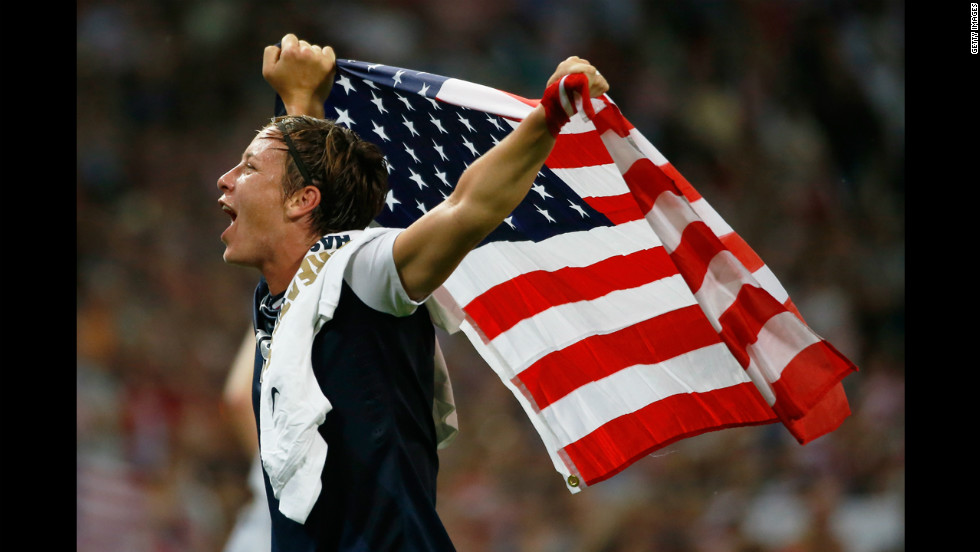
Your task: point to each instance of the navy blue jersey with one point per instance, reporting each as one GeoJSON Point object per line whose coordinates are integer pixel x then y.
{"type": "Point", "coordinates": [379, 481]}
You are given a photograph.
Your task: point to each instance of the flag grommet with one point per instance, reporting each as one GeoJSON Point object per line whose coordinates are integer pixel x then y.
{"type": "Point", "coordinates": [573, 481]}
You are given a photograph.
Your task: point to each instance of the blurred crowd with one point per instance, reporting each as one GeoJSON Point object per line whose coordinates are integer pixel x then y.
{"type": "Point", "coordinates": [787, 116]}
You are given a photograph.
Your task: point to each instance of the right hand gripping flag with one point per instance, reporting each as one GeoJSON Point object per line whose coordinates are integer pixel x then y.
{"type": "Point", "coordinates": [616, 304]}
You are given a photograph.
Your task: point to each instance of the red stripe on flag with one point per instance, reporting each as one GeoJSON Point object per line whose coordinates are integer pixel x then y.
{"type": "Point", "coordinates": [610, 118]}
{"type": "Point", "coordinates": [573, 151]}
{"type": "Point", "coordinates": [620, 442]}
{"type": "Point", "coordinates": [742, 321]}
{"type": "Point", "coordinates": [646, 181]}
{"type": "Point", "coordinates": [618, 209]}
{"type": "Point", "coordinates": [791, 307]}
{"type": "Point", "coordinates": [506, 304]}
{"type": "Point", "coordinates": [807, 400]}
{"type": "Point", "coordinates": [532, 103]}
{"type": "Point", "coordinates": [745, 254]}
{"type": "Point", "coordinates": [824, 417]}
{"type": "Point", "coordinates": [698, 246]}
{"type": "Point", "coordinates": [595, 357]}
{"type": "Point", "coordinates": [682, 184]}
{"type": "Point", "coordinates": [807, 379]}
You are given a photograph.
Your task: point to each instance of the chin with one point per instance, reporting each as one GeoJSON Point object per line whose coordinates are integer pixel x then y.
{"type": "Point", "coordinates": [229, 258]}
{"type": "Point", "coordinates": [237, 260]}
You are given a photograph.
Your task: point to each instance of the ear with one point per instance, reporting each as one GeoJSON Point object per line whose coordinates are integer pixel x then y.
{"type": "Point", "coordinates": [302, 203]}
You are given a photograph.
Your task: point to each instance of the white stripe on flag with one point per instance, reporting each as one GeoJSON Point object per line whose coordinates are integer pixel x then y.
{"type": "Point", "coordinates": [711, 217]}
{"type": "Point", "coordinates": [574, 249]}
{"type": "Point", "coordinates": [567, 103]}
{"type": "Point", "coordinates": [673, 210]}
{"type": "Point", "coordinates": [781, 338]}
{"type": "Point", "coordinates": [623, 151]}
{"type": "Point", "coordinates": [558, 327]}
{"type": "Point", "coordinates": [647, 148]}
{"type": "Point", "coordinates": [722, 282]}
{"type": "Point", "coordinates": [484, 98]}
{"type": "Point", "coordinates": [580, 124]}
{"type": "Point", "coordinates": [588, 408]}
{"type": "Point", "coordinates": [544, 430]}
{"type": "Point", "coordinates": [595, 181]}
{"type": "Point", "coordinates": [768, 281]}
{"type": "Point", "coordinates": [669, 216]}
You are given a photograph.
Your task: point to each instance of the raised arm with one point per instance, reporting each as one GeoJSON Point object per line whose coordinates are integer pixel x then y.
{"type": "Point", "coordinates": [428, 251]}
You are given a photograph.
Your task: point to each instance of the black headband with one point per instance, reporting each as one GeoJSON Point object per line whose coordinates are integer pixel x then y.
{"type": "Point", "coordinates": [295, 154]}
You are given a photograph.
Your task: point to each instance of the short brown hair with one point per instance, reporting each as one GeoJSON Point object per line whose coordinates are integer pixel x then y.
{"type": "Point", "coordinates": [349, 172]}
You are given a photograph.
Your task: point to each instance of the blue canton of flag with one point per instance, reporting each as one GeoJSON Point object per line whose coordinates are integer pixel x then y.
{"type": "Point", "coordinates": [428, 143]}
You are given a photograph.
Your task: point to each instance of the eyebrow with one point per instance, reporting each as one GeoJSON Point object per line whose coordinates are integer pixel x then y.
{"type": "Point", "coordinates": [249, 154]}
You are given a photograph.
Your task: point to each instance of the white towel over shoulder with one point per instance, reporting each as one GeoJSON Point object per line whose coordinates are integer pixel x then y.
{"type": "Point", "coordinates": [291, 406]}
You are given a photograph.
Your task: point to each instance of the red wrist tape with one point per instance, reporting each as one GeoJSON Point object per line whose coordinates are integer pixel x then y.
{"type": "Point", "coordinates": [559, 100]}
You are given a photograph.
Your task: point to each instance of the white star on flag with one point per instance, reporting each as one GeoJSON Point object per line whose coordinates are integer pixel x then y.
{"type": "Point", "coordinates": [544, 213]}
{"type": "Point", "coordinates": [405, 101]}
{"type": "Point", "coordinates": [539, 189]}
{"type": "Point", "coordinates": [439, 150]}
{"type": "Point", "coordinates": [410, 125]}
{"type": "Point", "coordinates": [380, 131]}
{"type": "Point", "coordinates": [345, 82]}
{"type": "Point", "coordinates": [578, 208]}
{"type": "Point", "coordinates": [442, 176]}
{"type": "Point", "coordinates": [411, 152]}
{"type": "Point", "coordinates": [424, 92]}
{"type": "Point", "coordinates": [378, 102]}
{"type": "Point", "coordinates": [465, 122]}
{"type": "Point", "coordinates": [469, 145]}
{"type": "Point", "coordinates": [433, 120]}
{"type": "Point", "coordinates": [391, 201]}
{"type": "Point", "coordinates": [417, 178]}
{"type": "Point", "coordinates": [343, 118]}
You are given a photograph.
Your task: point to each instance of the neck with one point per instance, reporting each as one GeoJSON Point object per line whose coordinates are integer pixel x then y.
{"type": "Point", "coordinates": [280, 272]}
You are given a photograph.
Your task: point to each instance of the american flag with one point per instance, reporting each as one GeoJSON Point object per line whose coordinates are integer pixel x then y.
{"type": "Point", "coordinates": [616, 304]}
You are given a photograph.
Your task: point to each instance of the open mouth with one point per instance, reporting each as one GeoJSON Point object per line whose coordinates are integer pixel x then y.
{"type": "Point", "coordinates": [231, 212]}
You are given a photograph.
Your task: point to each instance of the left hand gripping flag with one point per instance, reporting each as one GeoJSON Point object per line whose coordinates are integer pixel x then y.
{"type": "Point", "coordinates": [614, 302]}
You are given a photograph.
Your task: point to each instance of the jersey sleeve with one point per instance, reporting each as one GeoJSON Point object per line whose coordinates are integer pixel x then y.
{"type": "Point", "coordinates": [371, 273]}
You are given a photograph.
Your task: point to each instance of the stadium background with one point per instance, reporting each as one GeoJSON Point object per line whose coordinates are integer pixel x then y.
{"type": "Point", "coordinates": [788, 117]}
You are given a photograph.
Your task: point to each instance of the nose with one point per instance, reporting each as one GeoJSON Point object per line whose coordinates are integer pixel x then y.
{"type": "Point", "coordinates": [226, 182]}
